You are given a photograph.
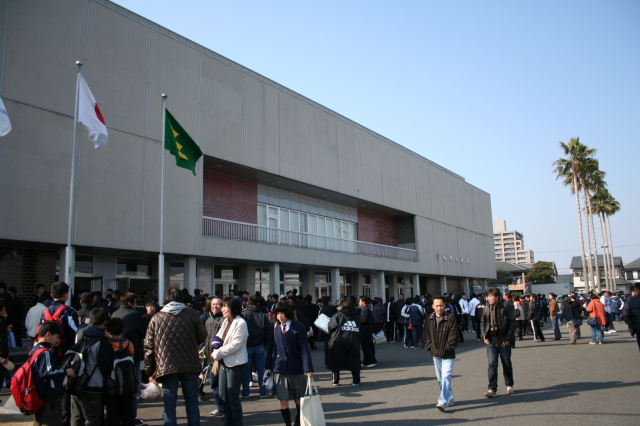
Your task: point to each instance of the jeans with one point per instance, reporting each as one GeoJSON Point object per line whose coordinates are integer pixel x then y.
{"type": "Point", "coordinates": [215, 381]}
{"type": "Point", "coordinates": [465, 322]}
{"type": "Point", "coordinates": [504, 352]}
{"type": "Point", "coordinates": [230, 381]}
{"type": "Point", "coordinates": [556, 327]}
{"type": "Point", "coordinates": [189, 382]}
{"type": "Point", "coordinates": [408, 336]}
{"type": "Point", "coordinates": [136, 366]}
{"type": "Point", "coordinates": [256, 356]}
{"type": "Point", "coordinates": [444, 373]}
{"type": "Point", "coordinates": [597, 336]}
{"type": "Point", "coordinates": [417, 329]}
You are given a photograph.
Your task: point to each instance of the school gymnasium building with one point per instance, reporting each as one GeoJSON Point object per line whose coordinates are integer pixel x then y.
{"type": "Point", "coordinates": [288, 193]}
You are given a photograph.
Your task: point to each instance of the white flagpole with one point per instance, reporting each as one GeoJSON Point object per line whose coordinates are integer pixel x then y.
{"type": "Point", "coordinates": [161, 255]}
{"type": "Point", "coordinates": [69, 257]}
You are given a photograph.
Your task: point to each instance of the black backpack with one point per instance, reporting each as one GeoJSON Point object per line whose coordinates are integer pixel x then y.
{"type": "Point", "coordinates": [122, 381]}
{"type": "Point", "coordinates": [76, 358]}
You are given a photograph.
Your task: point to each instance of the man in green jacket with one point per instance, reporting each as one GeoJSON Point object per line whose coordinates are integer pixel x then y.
{"type": "Point", "coordinates": [441, 338]}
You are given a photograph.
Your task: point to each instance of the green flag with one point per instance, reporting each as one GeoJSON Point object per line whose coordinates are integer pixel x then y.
{"type": "Point", "coordinates": [180, 144]}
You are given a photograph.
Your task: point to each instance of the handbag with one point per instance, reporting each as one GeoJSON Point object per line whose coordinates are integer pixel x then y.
{"type": "Point", "coordinates": [311, 413]}
{"type": "Point", "coordinates": [577, 322]}
{"type": "Point", "coordinates": [592, 321]}
{"type": "Point", "coordinates": [215, 367]}
{"type": "Point", "coordinates": [322, 322]}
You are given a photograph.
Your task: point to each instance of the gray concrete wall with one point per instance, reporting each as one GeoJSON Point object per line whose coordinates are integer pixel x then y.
{"type": "Point", "coordinates": [232, 112]}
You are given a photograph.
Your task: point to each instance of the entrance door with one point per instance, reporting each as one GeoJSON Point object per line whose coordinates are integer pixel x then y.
{"type": "Point", "coordinates": [122, 284]}
{"type": "Point", "coordinates": [96, 284]}
{"type": "Point", "coordinates": [366, 290]}
{"type": "Point", "coordinates": [322, 290]}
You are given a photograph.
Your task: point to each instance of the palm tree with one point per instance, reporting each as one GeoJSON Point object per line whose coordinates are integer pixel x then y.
{"type": "Point", "coordinates": [591, 177]}
{"type": "Point", "coordinates": [613, 208]}
{"type": "Point", "coordinates": [569, 169]}
{"type": "Point", "coordinates": [599, 206]}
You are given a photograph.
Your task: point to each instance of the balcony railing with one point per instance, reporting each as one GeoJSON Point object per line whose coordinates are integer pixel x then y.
{"type": "Point", "coordinates": [221, 228]}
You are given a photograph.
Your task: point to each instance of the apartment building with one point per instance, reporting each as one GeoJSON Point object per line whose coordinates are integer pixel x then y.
{"type": "Point", "coordinates": [509, 245]}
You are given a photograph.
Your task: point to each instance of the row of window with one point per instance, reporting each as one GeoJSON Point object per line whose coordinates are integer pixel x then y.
{"type": "Point", "coordinates": [292, 220]}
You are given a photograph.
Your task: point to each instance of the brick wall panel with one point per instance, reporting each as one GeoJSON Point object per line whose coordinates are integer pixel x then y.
{"type": "Point", "coordinates": [231, 198]}
{"type": "Point", "coordinates": [377, 228]}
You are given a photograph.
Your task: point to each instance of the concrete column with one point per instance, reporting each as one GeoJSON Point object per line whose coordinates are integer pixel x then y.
{"type": "Point", "coordinates": [247, 279]}
{"type": "Point", "coordinates": [335, 284]}
{"type": "Point", "coordinates": [377, 288]}
{"type": "Point", "coordinates": [274, 278]}
{"type": "Point", "coordinates": [465, 285]}
{"type": "Point", "coordinates": [189, 281]}
{"type": "Point", "coordinates": [309, 282]}
{"type": "Point", "coordinates": [357, 284]}
{"type": "Point", "coordinates": [393, 287]}
{"type": "Point", "coordinates": [443, 285]}
{"type": "Point", "coordinates": [416, 284]}
{"type": "Point", "coordinates": [484, 286]}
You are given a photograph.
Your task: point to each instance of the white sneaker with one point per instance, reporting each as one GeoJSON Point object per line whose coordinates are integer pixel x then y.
{"type": "Point", "coordinates": [612, 331]}
{"type": "Point", "coordinates": [510, 390]}
{"type": "Point", "coordinates": [440, 407]}
{"type": "Point", "coordinates": [592, 343]}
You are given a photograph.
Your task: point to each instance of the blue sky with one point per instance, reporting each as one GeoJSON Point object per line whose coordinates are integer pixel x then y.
{"type": "Point", "coordinates": [485, 89]}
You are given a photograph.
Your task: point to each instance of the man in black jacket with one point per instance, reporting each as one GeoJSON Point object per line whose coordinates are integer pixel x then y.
{"type": "Point", "coordinates": [135, 328]}
{"type": "Point", "coordinates": [366, 327]}
{"type": "Point", "coordinates": [391, 309]}
{"type": "Point", "coordinates": [259, 328]}
{"type": "Point", "coordinates": [631, 314]}
{"type": "Point", "coordinates": [535, 316]}
{"type": "Point", "coordinates": [441, 339]}
{"type": "Point", "coordinates": [498, 326]}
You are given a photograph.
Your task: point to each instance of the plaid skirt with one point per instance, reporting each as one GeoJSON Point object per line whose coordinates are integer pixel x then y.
{"type": "Point", "coordinates": [289, 387]}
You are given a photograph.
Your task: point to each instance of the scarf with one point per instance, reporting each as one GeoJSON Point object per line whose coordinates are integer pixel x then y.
{"type": "Point", "coordinates": [493, 318]}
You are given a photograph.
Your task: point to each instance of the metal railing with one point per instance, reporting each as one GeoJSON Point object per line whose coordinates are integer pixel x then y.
{"type": "Point", "coordinates": [228, 229]}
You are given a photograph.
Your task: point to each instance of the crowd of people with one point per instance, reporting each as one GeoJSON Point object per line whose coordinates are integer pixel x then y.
{"type": "Point", "coordinates": [226, 347]}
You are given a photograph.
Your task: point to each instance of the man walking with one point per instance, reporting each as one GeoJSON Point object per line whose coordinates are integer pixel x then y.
{"type": "Point", "coordinates": [441, 339]}
{"type": "Point", "coordinates": [473, 303]}
{"type": "Point", "coordinates": [498, 326]}
{"type": "Point", "coordinates": [366, 328]}
{"type": "Point", "coordinates": [535, 316]}
{"type": "Point", "coordinates": [631, 314]}
{"type": "Point", "coordinates": [171, 355]}
{"type": "Point", "coordinates": [259, 329]}
{"type": "Point", "coordinates": [464, 309]}
{"type": "Point", "coordinates": [553, 313]}
{"type": "Point", "coordinates": [391, 317]}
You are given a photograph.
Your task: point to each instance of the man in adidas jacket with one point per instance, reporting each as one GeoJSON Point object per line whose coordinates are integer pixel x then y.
{"type": "Point", "coordinates": [441, 339]}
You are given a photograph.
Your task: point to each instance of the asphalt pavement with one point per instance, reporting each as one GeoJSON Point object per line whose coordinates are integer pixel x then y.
{"type": "Point", "coordinates": [555, 383]}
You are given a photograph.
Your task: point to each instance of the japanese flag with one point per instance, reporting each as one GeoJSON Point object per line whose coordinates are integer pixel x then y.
{"type": "Point", "coordinates": [89, 114]}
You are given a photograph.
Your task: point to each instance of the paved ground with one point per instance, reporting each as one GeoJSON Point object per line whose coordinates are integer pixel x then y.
{"type": "Point", "coordinates": [555, 383]}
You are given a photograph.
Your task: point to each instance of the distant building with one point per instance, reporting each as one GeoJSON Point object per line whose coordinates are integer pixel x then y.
{"type": "Point", "coordinates": [618, 273]}
{"type": "Point", "coordinates": [632, 271]}
{"type": "Point", "coordinates": [509, 245]}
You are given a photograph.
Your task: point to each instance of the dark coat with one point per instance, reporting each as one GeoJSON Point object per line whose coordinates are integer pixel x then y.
{"type": "Point", "coordinates": [506, 322]}
{"type": "Point", "coordinates": [258, 326]}
{"type": "Point", "coordinates": [289, 353]}
{"type": "Point", "coordinates": [535, 311]}
{"type": "Point", "coordinates": [441, 341]}
{"type": "Point", "coordinates": [47, 376]}
{"type": "Point", "coordinates": [171, 345]}
{"type": "Point", "coordinates": [314, 311]}
{"type": "Point", "coordinates": [392, 312]}
{"type": "Point", "coordinates": [366, 323]}
{"type": "Point", "coordinates": [631, 313]}
{"type": "Point", "coordinates": [135, 328]}
{"type": "Point", "coordinates": [344, 342]}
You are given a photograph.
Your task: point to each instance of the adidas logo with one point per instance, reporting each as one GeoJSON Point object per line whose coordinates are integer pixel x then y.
{"type": "Point", "coordinates": [350, 326]}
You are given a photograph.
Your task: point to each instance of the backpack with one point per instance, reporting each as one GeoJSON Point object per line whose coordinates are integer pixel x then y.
{"type": "Point", "coordinates": [517, 309]}
{"type": "Point", "coordinates": [75, 358]}
{"type": "Point", "coordinates": [56, 317]}
{"type": "Point", "coordinates": [23, 388]}
{"type": "Point", "coordinates": [122, 381]}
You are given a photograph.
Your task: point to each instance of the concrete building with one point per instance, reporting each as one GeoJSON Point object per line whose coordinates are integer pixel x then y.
{"type": "Point", "coordinates": [509, 245]}
{"type": "Point", "coordinates": [288, 194]}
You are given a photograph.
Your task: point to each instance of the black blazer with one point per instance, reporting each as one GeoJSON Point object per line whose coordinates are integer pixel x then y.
{"type": "Point", "coordinates": [289, 353]}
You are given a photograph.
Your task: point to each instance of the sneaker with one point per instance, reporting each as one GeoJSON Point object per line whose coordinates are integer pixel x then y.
{"type": "Point", "coordinates": [415, 347]}
{"type": "Point", "coordinates": [406, 347]}
{"type": "Point", "coordinates": [480, 340]}
{"type": "Point", "coordinates": [216, 413]}
{"type": "Point", "coordinates": [336, 384]}
{"type": "Point", "coordinates": [490, 393]}
{"type": "Point", "coordinates": [264, 396]}
{"type": "Point", "coordinates": [440, 407]}
{"type": "Point", "coordinates": [510, 390]}
{"type": "Point", "coordinates": [138, 422]}
{"type": "Point", "coordinates": [245, 396]}
{"type": "Point", "coordinates": [592, 343]}
{"type": "Point", "coordinates": [370, 365]}
{"type": "Point", "coordinates": [599, 343]}
{"type": "Point", "coordinates": [612, 331]}
{"type": "Point", "coordinates": [355, 384]}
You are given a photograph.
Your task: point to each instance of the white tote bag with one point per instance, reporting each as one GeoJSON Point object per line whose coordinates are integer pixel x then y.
{"type": "Point", "coordinates": [322, 322]}
{"type": "Point", "coordinates": [311, 413]}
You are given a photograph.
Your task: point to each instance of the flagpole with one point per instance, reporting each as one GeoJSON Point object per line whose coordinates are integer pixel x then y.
{"type": "Point", "coordinates": [161, 255]}
{"type": "Point", "coordinates": [69, 254]}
